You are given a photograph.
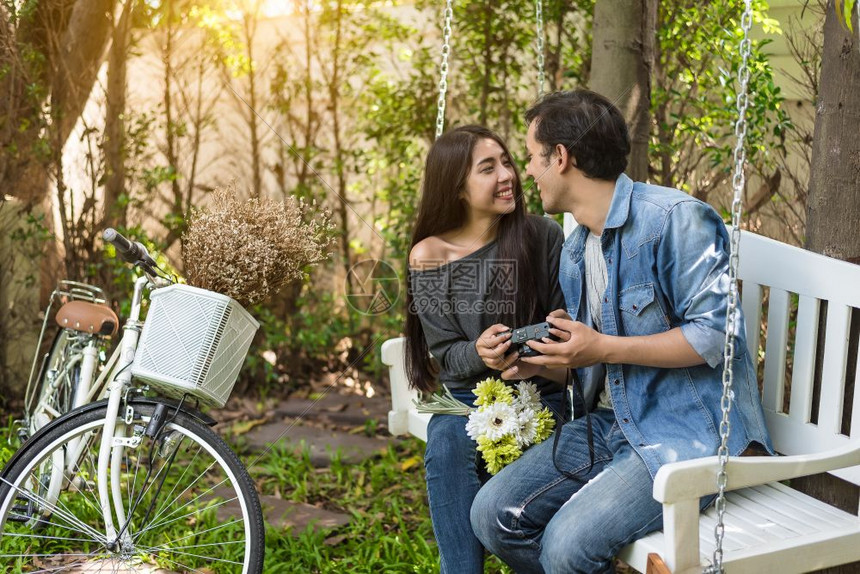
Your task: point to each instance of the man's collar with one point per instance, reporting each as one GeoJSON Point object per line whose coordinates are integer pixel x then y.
{"type": "Point", "coordinates": [619, 209]}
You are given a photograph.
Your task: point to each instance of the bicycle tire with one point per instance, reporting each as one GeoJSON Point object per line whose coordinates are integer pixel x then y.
{"type": "Point", "coordinates": [159, 527]}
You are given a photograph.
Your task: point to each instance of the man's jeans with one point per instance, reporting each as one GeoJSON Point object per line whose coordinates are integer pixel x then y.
{"type": "Point", "coordinates": [455, 472]}
{"type": "Point", "coordinates": [537, 520]}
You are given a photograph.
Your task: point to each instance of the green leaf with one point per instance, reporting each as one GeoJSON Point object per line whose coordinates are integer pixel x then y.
{"type": "Point", "coordinates": [844, 10]}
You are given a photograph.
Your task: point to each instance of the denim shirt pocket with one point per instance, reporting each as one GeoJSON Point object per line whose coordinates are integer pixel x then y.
{"type": "Point", "coordinates": [641, 314]}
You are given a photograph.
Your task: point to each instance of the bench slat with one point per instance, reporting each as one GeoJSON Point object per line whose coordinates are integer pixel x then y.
{"type": "Point", "coordinates": [796, 514]}
{"type": "Point", "coordinates": [800, 408]}
{"type": "Point", "coordinates": [739, 534]}
{"type": "Point", "coordinates": [751, 304]}
{"type": "Point", "coordinates": [750, 509]}
{"type": "Point", "coordinates": [799, 438]}
{"type": "Point", "coordinates": [775, 350]}
{"type": "Point", "coordinates": [855, 411]}
{"type": "Point", "coordinates": [811, 504]}
{"type": "Point", "coordinates": [833, 373]}
{"type": "Point", "coordinates": [769, 262]}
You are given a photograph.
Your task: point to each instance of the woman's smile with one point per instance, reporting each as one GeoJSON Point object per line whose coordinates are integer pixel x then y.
{"type": "Point", "coordinates": [505, 194]}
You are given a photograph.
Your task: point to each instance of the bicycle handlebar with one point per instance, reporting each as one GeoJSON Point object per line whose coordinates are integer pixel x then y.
{"type": "Point", "coordinates": [131, 251]}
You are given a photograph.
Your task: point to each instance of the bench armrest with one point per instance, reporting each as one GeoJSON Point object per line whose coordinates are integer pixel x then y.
{"type": "Point", "coordinates": [680, 485]}
{"type": "Point", "coordinates": [393, 353]}
{"type": "Point", "coordinates": [692, 479]}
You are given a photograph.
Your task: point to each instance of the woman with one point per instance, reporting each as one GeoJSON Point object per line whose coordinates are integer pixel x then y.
{"type": "Point", "coordinates": [479, 267]}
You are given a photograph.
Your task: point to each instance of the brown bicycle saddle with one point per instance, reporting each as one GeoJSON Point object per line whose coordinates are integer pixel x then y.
{"type": "Point", "coordinates": [87, 318]}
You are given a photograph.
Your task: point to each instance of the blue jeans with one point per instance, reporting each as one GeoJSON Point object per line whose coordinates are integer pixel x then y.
{"type": "Point", "coordinates": [537, 520]}
{"type": "Point", "coordinates": [455, 473]}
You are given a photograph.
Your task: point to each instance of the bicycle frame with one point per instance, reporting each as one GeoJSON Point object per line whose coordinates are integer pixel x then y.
{"type": "Point", "coordinates": [111, 451]}
{"type": "Point", "coordinates": [88, 360]}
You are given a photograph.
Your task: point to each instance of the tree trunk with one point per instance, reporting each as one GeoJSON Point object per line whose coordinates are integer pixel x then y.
{"type": "Point", "coordinates": [71, 35]}
{"type": "Point", "coordinates": [81, 53]}
{"type": "Point", "coordinates": [833, 208]}
{"type": "Point", "coordinates": [486, 79]}
{"type": "Point", "coordinates": [309, 130]}
{"type": "Point", "coordinates": [19, 302]}
{"type": "Point", "coordinates": [114, 208]}
{"type": "Point", "coordinates": [172, 122]}
{"type": "Point", "coordinates": [250, 23]}
{"type": "Point", "coordinates": [339, 153]}
{"type": "Point", "coordinates": [622, 59]}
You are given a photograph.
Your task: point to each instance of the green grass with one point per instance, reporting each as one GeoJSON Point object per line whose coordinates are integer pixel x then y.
{"type": "Point", "coordinates": [385, 496]}
{"type": "Point", "coordinates": [390, 529]}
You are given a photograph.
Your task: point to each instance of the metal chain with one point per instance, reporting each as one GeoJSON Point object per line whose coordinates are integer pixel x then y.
{"type": "Point", "coordinates": [540, 46]}
{"type": "Point", "coordinates": [443, 68]}
{"type": "Point", "coordinates": [732, 314]}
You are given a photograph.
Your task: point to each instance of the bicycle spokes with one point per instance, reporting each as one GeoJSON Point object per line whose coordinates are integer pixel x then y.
{"type": "Point", "coordinates": [182, 507]}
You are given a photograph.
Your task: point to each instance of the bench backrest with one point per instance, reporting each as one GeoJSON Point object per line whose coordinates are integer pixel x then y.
{"type": "Point", "coordinates": [809, 300]}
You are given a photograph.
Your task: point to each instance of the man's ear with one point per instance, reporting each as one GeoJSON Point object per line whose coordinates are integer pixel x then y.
{"type": "Point", "coordinates": [563, 158]}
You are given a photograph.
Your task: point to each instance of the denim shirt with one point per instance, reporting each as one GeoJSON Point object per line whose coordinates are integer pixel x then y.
{"type": "Point", "coordinates": [667, 261]}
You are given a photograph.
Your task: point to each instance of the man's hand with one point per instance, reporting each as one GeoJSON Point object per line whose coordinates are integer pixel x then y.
{"type": "Point", "coordinates": [492, 345]}
{"type": "Point", "coordinates": [577, 346]}
{"type": "Point", "coordinates": [560, 314]}
{"type": "Point", "coordinates": [582, 346]}
{"type": "Point", "coordinates": [521, 371]}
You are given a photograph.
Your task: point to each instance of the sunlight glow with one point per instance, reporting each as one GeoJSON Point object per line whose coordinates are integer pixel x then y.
{"type": "Point", "coordinates": [266, 8]}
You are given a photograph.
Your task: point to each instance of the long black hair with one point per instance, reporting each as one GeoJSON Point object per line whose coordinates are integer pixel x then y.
{"type": "Point", "coordinates": [442, 209]}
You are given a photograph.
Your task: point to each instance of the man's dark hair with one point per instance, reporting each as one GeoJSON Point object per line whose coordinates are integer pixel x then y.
{"type": "Point", "coordinates": [588, 125]}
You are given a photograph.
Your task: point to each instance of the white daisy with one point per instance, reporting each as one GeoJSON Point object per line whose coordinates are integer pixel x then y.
{"type": "Point", "coordinates": [477, 423]}
{"type": "Point", "coordinates": [527, 422]}
{"type": "Point", "coordinates": [493, 421]}
{"type": "Point", "coordinates": [527, 396]}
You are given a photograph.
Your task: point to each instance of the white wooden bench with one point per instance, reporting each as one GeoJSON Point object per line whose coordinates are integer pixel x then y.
{"type": "Point", "coordinates": [769, 526]}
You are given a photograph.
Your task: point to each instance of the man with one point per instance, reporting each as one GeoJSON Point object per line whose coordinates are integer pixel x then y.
{"type": "Point", "coordinates": [645, 276]}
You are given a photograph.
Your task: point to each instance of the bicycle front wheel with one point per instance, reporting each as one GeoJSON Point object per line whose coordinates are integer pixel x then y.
{"type": "Point", "coordinates": [188, 504]}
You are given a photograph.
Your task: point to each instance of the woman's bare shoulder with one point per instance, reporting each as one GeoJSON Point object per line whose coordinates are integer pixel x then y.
{"type": "Point", "coordinates": [429, 253]}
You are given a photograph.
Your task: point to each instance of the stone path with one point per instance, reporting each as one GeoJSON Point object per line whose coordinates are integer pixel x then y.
{"type": "Point", "coordinates": [324, 426]}
{"type": "Point", "coordinates": [321, 442]}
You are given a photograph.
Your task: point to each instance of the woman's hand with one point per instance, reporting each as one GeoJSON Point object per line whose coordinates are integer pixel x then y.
{"type": "Point", "coordinates": [492, 345]}
{"type": "Point", "coordinates": [521, 371]}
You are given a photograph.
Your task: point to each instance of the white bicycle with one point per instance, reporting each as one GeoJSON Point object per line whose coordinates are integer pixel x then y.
{"type": "Point", "coordinates": [68, 374]}
{"type": "Point", "coordinates": [140, 478]}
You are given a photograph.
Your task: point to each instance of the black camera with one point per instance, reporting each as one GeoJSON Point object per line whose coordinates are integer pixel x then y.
{"type": "Point", "coordinates": [534, 332]}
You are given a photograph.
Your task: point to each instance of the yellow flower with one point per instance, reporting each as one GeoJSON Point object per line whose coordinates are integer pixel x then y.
{"type": "Point", "coordinates": [491, 391]}
{"type": "Point", "coordinates": [500, 453]}
{"type": "Point", "coordinates": [545, 424]}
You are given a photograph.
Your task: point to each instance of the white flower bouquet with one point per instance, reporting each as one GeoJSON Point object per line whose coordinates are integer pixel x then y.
{"type": "Point", "coordinates": [505, 421]}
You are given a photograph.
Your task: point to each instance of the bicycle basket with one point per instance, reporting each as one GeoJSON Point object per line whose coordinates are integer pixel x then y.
{"type": "Point", "coordinates": [193, 341]}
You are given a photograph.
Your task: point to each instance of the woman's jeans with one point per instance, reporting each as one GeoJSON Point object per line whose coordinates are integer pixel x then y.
{"type": "Point", "coordinates": [455, 472]}
{"type": "Point", "coordinates": [538, 520]}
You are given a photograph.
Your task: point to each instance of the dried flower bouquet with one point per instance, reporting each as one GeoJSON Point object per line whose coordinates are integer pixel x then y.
{"type": "Point", "coordinates": [248, 249]}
